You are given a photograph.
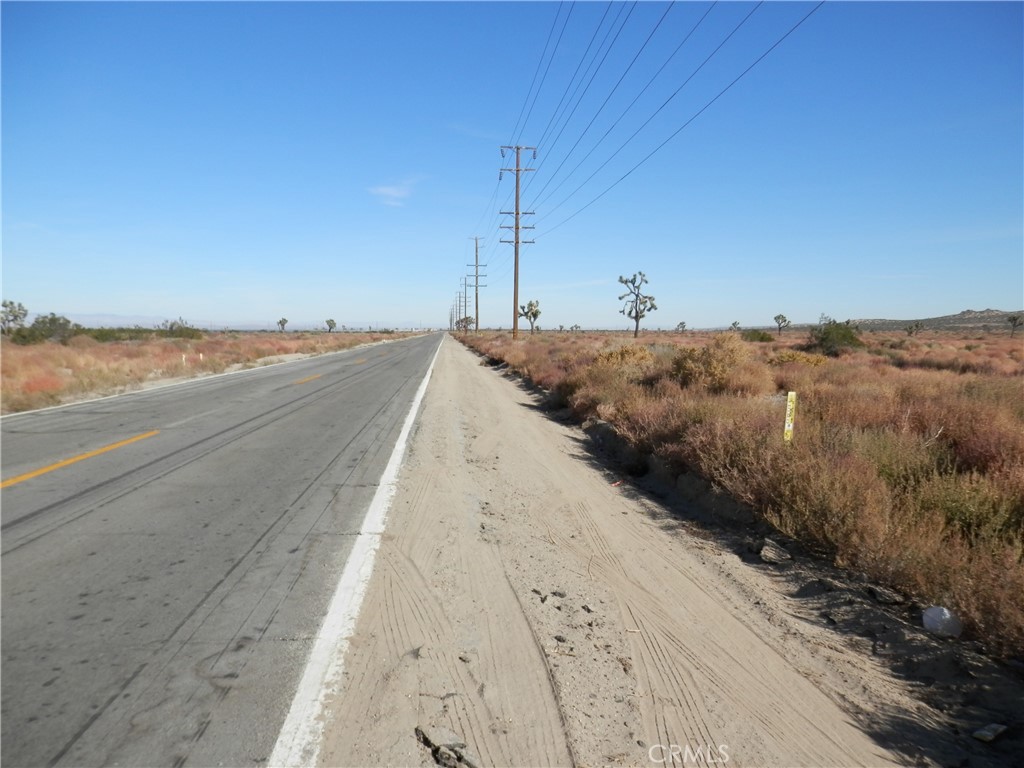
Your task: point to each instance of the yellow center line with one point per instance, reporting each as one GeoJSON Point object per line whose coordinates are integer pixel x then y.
{"type": "Point", "coordinates": [308, 378]}
{"type": "Point", "coordinates": [75, 459]}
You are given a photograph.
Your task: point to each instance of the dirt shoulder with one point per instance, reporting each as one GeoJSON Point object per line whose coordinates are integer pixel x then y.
{"type": "Point", "coordinates": [535, 607]}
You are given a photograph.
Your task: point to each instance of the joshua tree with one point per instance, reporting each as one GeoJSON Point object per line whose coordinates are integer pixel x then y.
{"type": "Point", "coordinates": [782, 321]}
{"type": "Point", "coordinates": [735, 325]}
{"type": "Point", "coordinates": [680, 327]}
{"type": "Point", "coordinates": [575, 328]}
{"type": "Point", "coordinates": [331, 325]}
{"type": "Point", "coordinates": [914, 328]}
{"type": "Point", "coordinates": [638, 304]}
{"type": "Point", "coordinates": [531, 311]}
{"type": "Point", "coordinates": [12, 317]}
{"type": "Point", "coordinates": [282, 323]}
{"type": "Point", "coordinates": [1015, 321]}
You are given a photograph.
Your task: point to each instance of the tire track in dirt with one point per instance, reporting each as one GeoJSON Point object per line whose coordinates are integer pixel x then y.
{"type": "Point", "coordinates": [699, 662]}
{"type": "Point", "coordinates": [683, 679]}
{"type": "Point", "coordinates": [445, 631]}
{"type": "Point", "coordinates": [569, 624]}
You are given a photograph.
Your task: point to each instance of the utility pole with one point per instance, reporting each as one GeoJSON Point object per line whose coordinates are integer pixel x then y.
{"type": "Point", "coordinates": [516, 227]}
{"type": "Point", "coordinates": [464, 306]}
{"type": "Point", "coordinates": [476, 283]}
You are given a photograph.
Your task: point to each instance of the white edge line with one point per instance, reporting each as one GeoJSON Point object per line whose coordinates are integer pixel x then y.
{"type": "Point", "coordinates": [298, 743]}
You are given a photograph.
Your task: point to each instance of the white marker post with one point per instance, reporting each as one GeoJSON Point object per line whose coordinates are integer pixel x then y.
{"type": "Point", "coordinates": [787, 434]}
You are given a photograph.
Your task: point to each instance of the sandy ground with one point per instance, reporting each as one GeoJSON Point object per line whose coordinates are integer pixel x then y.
{"type": "Point", "coordinates": [530, 606]}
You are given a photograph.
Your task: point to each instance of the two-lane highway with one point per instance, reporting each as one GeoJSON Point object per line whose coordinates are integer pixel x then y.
{"type": "Point", "coordinates": [167, 556]}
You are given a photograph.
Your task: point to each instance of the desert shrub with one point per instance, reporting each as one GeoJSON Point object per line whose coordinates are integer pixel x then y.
{"type": "Point", "coordinates": [49, 327]}
{"type": "Point", "coordinates": [43, 374]}
{"type": "Point", "coordinates": [914, 476]}
{"type": "Point", "coordinates": [902, 459]}
{"type": "Point", "coordinates": [649, 420]}
{"type": "Point", "coordinates": [104, 335]}
{"type": "Point", "coordinates": [755, 335]}
{"type": "Point", "coordinates": [982, 437]}
{"type": "Point", "coordinates": [614, 376]}
{"type": "Point", "coordinates": [82, 341]}
{"type": "Point", "coordinates": [898, 344]}
{"type": "Point", "coordinates": [708, 367]}
{"type": "Point", "coordinates": [833, 338]}
{"type": "Point", "coordinates": [786, 356]}
{"type": "Point", "coordinates": [972, 504]}
{"type": "Point", "coordinates": [633, 361]}
{"type": "Point", "coordinates": [749, 378]}
{"type": "Point", "coordinates": [178, 329]}
{"type": "Point", "coordinates": [661, 364]}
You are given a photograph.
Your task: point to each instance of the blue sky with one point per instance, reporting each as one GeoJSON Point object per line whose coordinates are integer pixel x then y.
{"type": "Point", "coordinates": [234, 163]}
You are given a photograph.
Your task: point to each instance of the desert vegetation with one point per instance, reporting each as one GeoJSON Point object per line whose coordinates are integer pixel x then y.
{"type": "Point", "coordinates": [531, 311]}
{"type": "Point", "coordinates": [638, 304]}
{"type": "Point", "coordinates": [907, 463]}
{"type": "Point", "coordinates": [78, 362]}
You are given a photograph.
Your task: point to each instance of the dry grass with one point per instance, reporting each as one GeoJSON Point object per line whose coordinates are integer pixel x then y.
{"type": "Point", "coordinates": [39, 375]}
{"type": "Point", "coordinates": [907, 463]}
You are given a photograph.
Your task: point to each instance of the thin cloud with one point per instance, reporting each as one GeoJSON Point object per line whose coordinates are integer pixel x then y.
{"type": "Point", "coordinates": [474, 133]}
{"type": "Point", "coordinates": [395, 195]}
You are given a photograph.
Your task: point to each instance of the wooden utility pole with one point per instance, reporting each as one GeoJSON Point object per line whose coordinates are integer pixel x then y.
{"type": "Point", "coordinates": [476, 283]}
{"type": "Point", "coordinates": [464, 305]}
{"type": "Point", "coordinates": [516, 227]}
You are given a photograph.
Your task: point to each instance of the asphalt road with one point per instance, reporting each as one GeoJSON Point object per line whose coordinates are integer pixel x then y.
{"type": "Point", "coordinates": [160, 598]}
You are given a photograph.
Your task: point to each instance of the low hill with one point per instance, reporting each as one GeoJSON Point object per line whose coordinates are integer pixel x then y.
{"type": "Point", "coordinates": [969, 319]}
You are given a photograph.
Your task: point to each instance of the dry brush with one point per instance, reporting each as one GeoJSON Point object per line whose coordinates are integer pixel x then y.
{"type": "Point", "coordinates": [908, 459]}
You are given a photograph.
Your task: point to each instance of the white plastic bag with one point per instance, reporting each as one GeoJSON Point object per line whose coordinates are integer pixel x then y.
{"type": "Point", "coordinates": [942, 621]}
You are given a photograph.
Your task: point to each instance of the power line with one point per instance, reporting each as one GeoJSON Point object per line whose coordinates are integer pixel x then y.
{"type": "Point", "coordinates": [607, 99]}
{"type": "Point", "coordinates": [659, 109]}
{"type": "Point", "coordinates": [572, 79]}
{"type": "Point", "coordinates": [565, 123]}
{"type": "Point", "coordinates": [540, 61]}
{"type": "Point", "coordinates": [590, 68]}
{"type": "Point", "coordinates": [692, 118]}
{"type": "Point", "coordinates": [490, 207]}
{"type": "Point", "coordinates": [543, 79]}
{"type": "Point", "coordinates": [545, 76]}
{"type": "Point", "coordinates": [643, 90]}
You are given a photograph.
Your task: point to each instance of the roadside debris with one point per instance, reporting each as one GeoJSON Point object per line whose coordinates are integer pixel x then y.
{"type": "Point", "coordinates": [942, 621]}
{"type": "Point", "coordinates": [990, 732]}
{"type": "Point", "coordinates": [774, 553]}
{"type": "Point", "coordinates": [447, 748]}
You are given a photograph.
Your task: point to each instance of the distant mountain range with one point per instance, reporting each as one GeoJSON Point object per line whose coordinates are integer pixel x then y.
{"type": "Point", "coordinates": [969, 319]}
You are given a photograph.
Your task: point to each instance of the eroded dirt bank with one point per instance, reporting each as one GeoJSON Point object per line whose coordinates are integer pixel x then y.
{"type": "Point", "coordinates": [529, 608]}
